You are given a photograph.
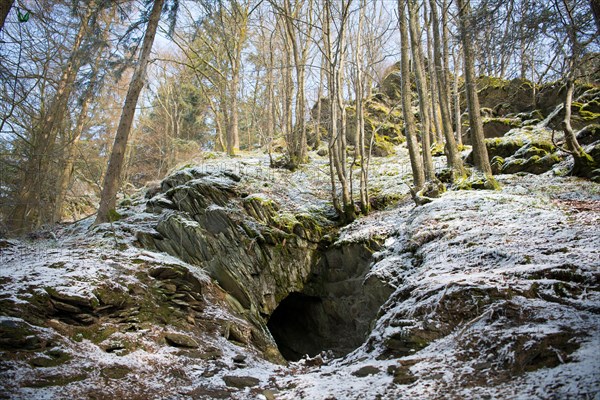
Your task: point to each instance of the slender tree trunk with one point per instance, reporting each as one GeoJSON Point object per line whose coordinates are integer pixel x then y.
{"type": "Point", "coordinates": [457, 111]}
{"type": "Point", "coordinates": [595, 7]}
{"type": "Point", "coordinates": [66, 172]}
{"type": "Point", "coordinates": [270, 101]}
{"type": "Point", "coordinates": [108, 197]}
{"type": "Point", "coordinates": [221, 146]}
{"type": "Point", "coordinates": [409, 119]}
{"type": "Point", "coordinates": [5, 6]}
{"type": "Point", "coordinates": [217, 110]}
{"type": "Point", "coordinates": [337, 147]}
{"type": "Point", "coordinates": [333, 111]}
{"type": "Point", "coordinates": [446, 47]}
{"type": "Point", "coordinates": [297, 149]}
{"type": "Point", "coordinates": [583, 162]}
{"type": "Point", "coordinates": [319, 105]}
{"type": "Point", "coordinates": [288, 97]}
{"type": "Point", "coordinates": [452, 154]}
{"type": "Point", "coordinates": [360, 116]}
{"type": "Point", "coordinates": [349, 212]}
{"type": "Point", "coordinates": [421, 81]}
{"type": "Point", "coordinates": [433, 83]}
{"type": "Point", "coordinates": [37, 169]}
{"type": "Point", "coordinates": [233, 133]}
{"type": "Point", "coordinates": [480, 154]}
{"type": "Point", "coordinates": [570, 138]}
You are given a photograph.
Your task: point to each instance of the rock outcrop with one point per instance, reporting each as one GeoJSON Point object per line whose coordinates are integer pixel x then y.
{"type": "Point", "coordinates": [262, 254]}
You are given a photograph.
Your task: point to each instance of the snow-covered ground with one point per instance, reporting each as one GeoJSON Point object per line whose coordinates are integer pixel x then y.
{"type": "Point", "coordinates": [503, 290]}
{"type": "Point", "coordinates": [497, 296]}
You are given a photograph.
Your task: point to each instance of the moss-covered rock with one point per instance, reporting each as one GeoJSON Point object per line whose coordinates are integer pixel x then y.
{"type": "Point", "coordinates": [476, 181]}
{"type": "Point", "coordinates": [501, 147]}
{"type": "Point", "coordinates": [503, 96]}
{"type": "Point", "coordinates": [391, 85]}
{"type": "Point", "coordinates": [50, 358]}
{"type": "Point", "coordinates": [497, 127]}
{"type": "Point", "coordinates": [18, 334]}
{"type": "Point", "coordinates": [382, 118]}
{"type": "Point", "coordinates": [589, 134]}
{"type": "Point", "coordinates": [584, 109]}
{"type": "Point", "coordinates": [497, 163]}
{"type": "Point", "coordinates": [382, 147]}
{"type": "Point", "coordinates": [257, 250]}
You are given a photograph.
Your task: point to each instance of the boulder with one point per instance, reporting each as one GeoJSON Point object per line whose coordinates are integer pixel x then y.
{"type": "Point", "coordinates": [240, 382]}
{"type": "Point", "coordinates": [180, 340]}
{"type": "Point", "coordinates": [18, 334]}
{"type": "Point", "coordinates": [589, 134]}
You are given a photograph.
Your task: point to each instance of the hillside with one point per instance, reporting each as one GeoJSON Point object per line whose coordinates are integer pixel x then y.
{"type": "Point", "coordinates": [476, 294]}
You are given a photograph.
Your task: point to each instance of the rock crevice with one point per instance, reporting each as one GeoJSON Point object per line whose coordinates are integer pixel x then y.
{"type": "Point", "coordinates": [266, 257]}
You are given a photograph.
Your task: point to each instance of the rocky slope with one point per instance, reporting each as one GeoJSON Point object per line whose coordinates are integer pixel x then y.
{"type": "Point", "coordinates": [204, 286]}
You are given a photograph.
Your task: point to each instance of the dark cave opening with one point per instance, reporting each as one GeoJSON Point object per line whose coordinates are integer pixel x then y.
{"type": "Point", "coordinates": [297, 326]}
{"type": "Point", "coordinates": [336, 308]}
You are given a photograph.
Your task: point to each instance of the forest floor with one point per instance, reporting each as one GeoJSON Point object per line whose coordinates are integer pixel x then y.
{"type": "Point", "coordinates": [497, 295]}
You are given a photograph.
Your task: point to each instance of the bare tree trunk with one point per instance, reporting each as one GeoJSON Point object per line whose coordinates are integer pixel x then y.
{"type": "Point", "coordinates": [595, 6]}
{"type": "Point", "coordinates": [216, 110]}
{"type": "Point", "coordinates": [452, 154]}
{"type": "Point", "coordinates": [360, 116]}
{"type": "Point", "coordinates": [288, 82]}
{"type": "Point", "coordinates": [433, 82]}
{"type": "Point", "coordinates": [570, 138]}
{"type": "Point", "coordinates": [583, 162]}
{"type": "Point", "coordinates": [480, 154]}
{"type": "Point", "coordinates": [66, 172]}
{"type": "Point", "coordinates": [421, 81]}
{"type": "Point", "coordinates": [301, 72]}
{"type": "Point", "coordinates": [108, 197]}
{"type": "Point", "coordinates": [333, 111]}
{"type": "Point", "coordinates": [337, 147]}
{"type": "Point", "coordinates": [37, 169]}
{"type": "Point", "coordinates": [457, 111]}
{"type": "Point", "coordinates": [409, 119]}
{"type": "Point", "coordinates": [233, 133]}
{"type": "Point", "coordinates": [446, 47]}
{"type": "Point", "coordinates": [298, 50]}
{"type": "Point", "coordinates": [319, 105]}
{"type": "Point", "coordinates": [5, 6]}
{"type": "Point", "coordinates": [221, 146]}
{"type": "Point", "coordinates": [347, 201]}
{"type": "Point", "coordinates": [270, 100]}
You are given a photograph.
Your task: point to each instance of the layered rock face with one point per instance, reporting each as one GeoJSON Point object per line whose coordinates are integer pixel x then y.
{"type": "Point", "coordinates": [263, 255]}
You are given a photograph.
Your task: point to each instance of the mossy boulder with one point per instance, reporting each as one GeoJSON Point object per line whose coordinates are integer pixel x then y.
{"type": "Point", "coordinates": [530, 118]}
{"type": "Point", "coordinates": [50, 358]}
{"type": "Point", "coordinates": [497, 127]}
{"type": "Point", "coordinates": [497, 163]}
{"type": "Point", "coordinates": [391, 85]}
{"type": "Point", "coordinates": [382, 146]}
{"type": "Point", "coordinates": [476, 181]}
{"type": "Point", "coordinates": [504, 96]}
{"type": "Point", "coordinates": [535, 164]}
{"type": "Point", "coordinates": [502, 147]}
{"type": "Point", "coordinates": [589, 134]}
{"type": "Point", "coordinates": [585, 109]}
{"type": "Point", "coordinates": [18, 334]}
{"type": "Point", "coordinates": [243, 241]}
{"type": "Point", "coordinates": [181, 340]}
{"type": "Point", "coordinates": [380, 118]}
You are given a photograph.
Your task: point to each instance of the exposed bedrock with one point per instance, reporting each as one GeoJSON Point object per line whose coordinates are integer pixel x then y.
{"type": "Point", "coordinates": [276, 265]}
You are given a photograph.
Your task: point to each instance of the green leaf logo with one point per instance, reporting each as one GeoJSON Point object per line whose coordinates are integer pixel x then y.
{"type": "Point", "coordinates": [22, 17]}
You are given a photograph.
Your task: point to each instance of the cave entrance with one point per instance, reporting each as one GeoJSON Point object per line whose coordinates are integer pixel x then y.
{"type": "Point", "coordinates": [297, 324]}
{"type": "Point", "coordinates": [336, 308]}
